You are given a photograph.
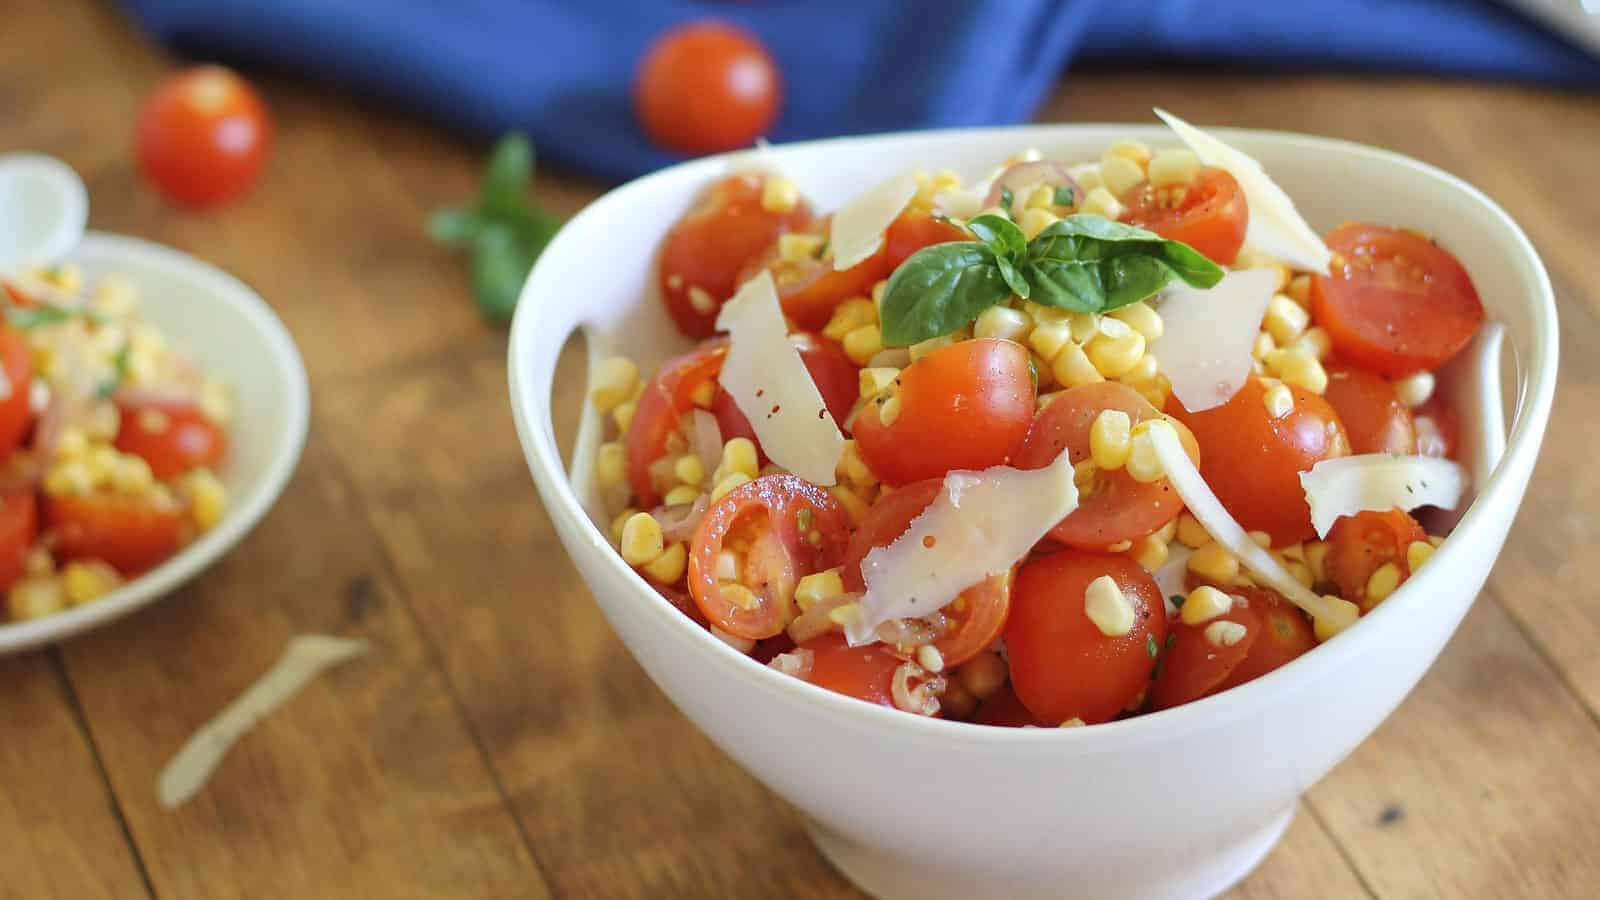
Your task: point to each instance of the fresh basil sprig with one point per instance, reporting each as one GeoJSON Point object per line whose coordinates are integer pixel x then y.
{"type": "Point", "coordinates": [502, 229]}
{"type": "Point", "coordinates": [1083, 263]}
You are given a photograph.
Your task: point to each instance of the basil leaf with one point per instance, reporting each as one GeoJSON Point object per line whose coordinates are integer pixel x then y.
{"type": "Point", "coordinates": [456, 226]}
{"type": "Point", "coordinates": [1064, 196]}
{"type": "Point", "coordinates": [1001, 234]}
{"type": "Point", "coordinates": [509, 174]}
{"type": "Point", "coordinates": [499, 267]}
{"type": "Point", "coordinates": [939, 289]}
{"type": "Point", "coordinates": [1008, 200]}
{"type": "Point", "coordinates": [26, 317]}
{"type": "Point", "coordinates": [1089, 263]}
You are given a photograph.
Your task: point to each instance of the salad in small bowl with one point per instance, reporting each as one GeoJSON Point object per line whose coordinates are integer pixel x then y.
{"type": "Point", "coordinates": [1082, 431]}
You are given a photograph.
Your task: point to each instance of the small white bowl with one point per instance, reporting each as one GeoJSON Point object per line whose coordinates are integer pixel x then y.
{"type": "Point", "coordinates": [1180, 803]}
{"type": "Point", "coordinates": [227, 327]}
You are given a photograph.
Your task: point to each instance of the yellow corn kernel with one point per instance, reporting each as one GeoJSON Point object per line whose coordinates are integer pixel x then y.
{"type": "Point", "coordinates": [1382, 582]}
{"type": "Point", "coordinates": [1299, 289]}
{"type": "Point", "coordinates": [1115, 350]}
{"type": "Point", "coordinates": [1316, 559]}
{"type": "Point", "coordinates": [1191, 533]}
{"type": "Point", "coordinates": [818, 587]}
{"type": "Point", "coordinates": [795, 246]}
{"type": "Point", "coordinates": [1300, 571]}
{"type": "Point", "coordinates": [875, 380]}
{"type": "Point", "coordinates": [613, 382]}
{"type": "Point", "coordinates": [1173, 167]}
{"type": "Point", "coordinates": [1150, 552]}
{"type": "Point", "coordinates": [1203, 604]}
{"type": "Point", "coordinates": [1213, 562]}
{"type": "Point", "coordinates": [689, 470]}
{"type": "Point", "coordinates": [727, 483]}
{"type": "Point", "coordinates": [862, 344]}
{"type": "Point", "coordinates": [1038, 312]}
{"type": "Point", "coordinates": [74, 444]}
{"type": "Point", "coordinates": [1072, 367]}
{"type": "Point", "coordinates": [1298, 369]}
{"type": "Point", "coordinates": [1087, 175]}
{"type": "Point", "coordinates": [1107, 607]}
{"type": "Point", "coordinates": [668, 567]}
{"type": "Point", "coordinates": [1085, 326]}
{"type": "Point", "coordinates": [888, 409]}
{"type": "Point", "coordinates": [1122, 546]}
{"type": "Point", "coordinates": [854, 506]}
{"type": "Point", "coordinates": [611, 464]}
{"type": "Point", "coordinates": [703, 394]}
{"type": "Point", "coordinates": [1036, 220]}
{"type": "Point", "coordinates": [681, 495]}
{"type": "Point", "coordinates": [854, 469]}
{"type": "Point", "coordinates": [1110, 439]}
{"type": "Point", "coordinates": [1118, 174]}
{"type": "Point", "coordinates": [1169, 531]}
{"type": "Point", "coordinates": [848, 316]}
{"type": "Point", "coordinates": [845, 615]}
{"type": "Point", "coordinates": [1343, 615]}
{"type": "Point", "coordinates": [1285, 319]}
{"type": "Point", "coordinates": [1414, 390]}
{"type": "Point", "coordinates": [208, 498]}
{"type": "Point", "coordinates": [115, 297]}
{"type": "Point", "coordinates": [1101, 202]}
{"type": "Point", "coordinates": [1250, 259]}
{"type": "Point", "coordinates": [1279, 400]}
{"type": "Point", "coordinates": [1047, 338]}
{"type": "Point", "coordinates": [1146, 370]}
{"type": "Point", "coordinates": [1315, 343]}
{"type": "Point", "coordinates": [1002, 322]}
{"type": "Point", "coordinates": [616, 524]}
{"type": "Point", "coordinates": [72, 476]}
{"type": "Point", "coordinates": [739, 595]}
{"type": "Point", "coordinates": [739, 456]}
{"type": "Point", "coordinates": [1041, 197]}
{"type": "Point", "coordinates": [1260, 539]}
{"type": "Point", "coordinates": [1134, 151]}
{"type": "Point", "coordinates": [641, 539]}
{"type": "Point", "coordinates": [1142, 464]}
{"type": "Point", "coordinates": [131, 474]}
{"type": "Point", "coordinates": [88, 580]}
{"type": "Point", "coordinates": [982, 675]}
{"type": "Point", "coordinates": [1224, 633]}
{"type": "Point", "coordinates": [1417, 553]}
{"type": "Point", "coordinates": [779, 194]}
{"type": "Point", "coordinates": [623, 415]}
{"type": "Point", "coordinates": [1142, 318]}
{"type": "Point", "coordinates": [1264, 344]}
{"type": "Point", "coordinates": [35, 597]}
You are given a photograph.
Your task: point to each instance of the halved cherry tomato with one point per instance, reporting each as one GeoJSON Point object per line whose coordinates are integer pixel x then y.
{"type": "Point", "coordinates": [666, 399]}
{"type": "Point", "coordinates": [704, 252]}
{"type": "Point", "coordinates": [1115, 507]}
{"type": "Point", "coordinates": [202, 137]}
{"type": "Point", "coordinates": [1209, 214]}
{"type": "Point", "coordinates": [1438, 428]}
{"type": "Point", "coordinates": [916, 229]}
{"type": "Point", "coordinates": [1253, 461]}
{"type": "Point", "coordinates": [1359, 544]}
{"type": "Point", "coordinates": [1194, 667]}
{"type": "Point", "coordinates": [1062, 665]}
{"type": "Point", "coordinates": [965, 406]}
{"type": "Point", "coordinates": [1396, 302]}
{"type": "Point", "coordinates": [132, 535]}
{"type": "Point", "coordinates": [19, 525]}
{"type": "Point", "coordinates": [836, 377]}
{"type": "Point", "coordinates": [974, 619]}
{"type": "Point", "coordinates": [1002, 709]}
{"type": "Point", "coordinates": [706, 86]}
{"type": "Point", "coordinates": [865, 672]}
{"type": "Point", "coordinates": [1285, 635]}
{"type": "Point", "coordinates": [172, 438]}
{"type": "Point", "coordinates": [15, 412]}
{"type": "Point", "coordinates": [1374, 419]}
{"type": "Point", "coordinates": [786, 528]}
{"type": "Point", "coordinates": [809, 288]}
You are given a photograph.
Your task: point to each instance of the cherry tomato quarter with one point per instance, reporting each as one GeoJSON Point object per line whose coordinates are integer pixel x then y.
{"type": "Point", "coordinates": [667, 397]}
{"type": "Point", "coordinates": [1358, 545]}
{"type": "Point", "coordinates": [202, 138]}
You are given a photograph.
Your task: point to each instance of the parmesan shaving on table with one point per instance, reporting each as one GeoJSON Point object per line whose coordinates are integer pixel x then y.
{"type": "Point", "coordinates": [306, 657]}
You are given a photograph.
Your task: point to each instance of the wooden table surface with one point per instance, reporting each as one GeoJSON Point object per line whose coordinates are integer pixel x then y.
{"type": "Point", "coordinates": [500, 742]}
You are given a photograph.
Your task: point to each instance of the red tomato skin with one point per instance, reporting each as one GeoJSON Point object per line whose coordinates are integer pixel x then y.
{"type": "Point", "coordinates": [1359, 544]}
{"type": "Point", "coordinates": [1003, 710]}
{"type": "Point", "coordinates": [711, 245]}
{"type": "Point", "coordinates": [1212, 218]}
{"type": "Point", "coordinates": [665, 400]}
{"type": "Point", "coordinates": [1285, 635]}
{"type": "Point", "coordinates": [1194, 667]}
{"type": "Point", "coordinates": [1374, 419]}
{"type": "Point", "coordinates": [203, 136]}
{"type": "Point", "coordinates": [705, 87]}
{"type": "Point", "coordinates": [16, 415]}
{"type": "Point", "coordinates": [965, 406]}
{"type": "Point", "coordinates": [187, 441]}
{"type": "Point", "coordinates": [1253, 462]}
{"type": "Point", "coordinates": [1062, 665]}
{"type": "Point", "coordinates": [131, 535]}
{"type": "Point", "coordinates": [809, 289]}
{"type": "Point", "coordinates": [19, 527]}
{"type": "Point", "coordinates": [865, 673]}
{"type": "Point", "coordinates": [914, 230]}
{"type": "Point", "coordinates": [1395, 303]}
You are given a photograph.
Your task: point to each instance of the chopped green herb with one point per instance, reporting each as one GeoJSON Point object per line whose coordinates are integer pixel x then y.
{"type": "Point", "coordinates": [802, 517]}
{"type": "Point", "coordinates": [26, 317]}
{"type": "Point", "coordinates": [1064, 196]}
{"type": "Point", "coordinates": [1150, 646]}
{"type": "Point", "coordinates": [119, 368]}
{"type": "Point", "coordinates": [1177, 600]}
{"type": "Point", "coordinates": [822, 250]}
{"type": "Point", "coordinates": [1007, 200]}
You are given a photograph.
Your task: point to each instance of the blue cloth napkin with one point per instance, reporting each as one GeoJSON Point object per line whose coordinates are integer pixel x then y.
{"type": "Point", "coordinates": [561, 69]}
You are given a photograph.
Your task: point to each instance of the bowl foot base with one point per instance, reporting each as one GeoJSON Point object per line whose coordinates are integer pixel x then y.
{"type": "Point", "coordinates": [888, 877]}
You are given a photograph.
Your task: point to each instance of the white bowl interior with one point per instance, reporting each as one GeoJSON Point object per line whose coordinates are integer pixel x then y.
{"type": "Point", "coordinates": [232, 333]}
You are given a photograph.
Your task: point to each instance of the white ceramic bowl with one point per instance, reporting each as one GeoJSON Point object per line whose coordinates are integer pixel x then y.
{"type": "Point", "coordinates": [922, 808]}
{"type": "Point", "coordinates": [234, 334]}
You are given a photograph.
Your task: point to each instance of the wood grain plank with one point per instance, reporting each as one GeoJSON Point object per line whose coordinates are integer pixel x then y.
{"type": "Point", "coordinates": [365, 784]}
{"type": "Point", "coordinates": [1305, 857]}
{"type": "Point", "coordinates": [60, 837]}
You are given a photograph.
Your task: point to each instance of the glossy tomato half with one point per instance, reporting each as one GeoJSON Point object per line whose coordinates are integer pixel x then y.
{"type": "Point", "coordinates": [16, 415]}
{"type": "Point", "coordinates": [130, 534]}
{"type": "Point", "coordinates": [1374, 419]}
{"type": "Point", "coordinates": [172, 437]}
{"type": "Point", "coordinates": [1209, 214]}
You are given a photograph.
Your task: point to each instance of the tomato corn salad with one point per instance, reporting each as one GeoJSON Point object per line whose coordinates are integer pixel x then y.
{"type": "Point", "coordinates": [109, 439]}
{"type": "Point", "coordinates": [1197, 553]}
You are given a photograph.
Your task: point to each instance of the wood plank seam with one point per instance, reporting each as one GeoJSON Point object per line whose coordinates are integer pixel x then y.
{"type": "Point", "coordinates": [58, 665]}
{"type": "Point", "coordinates": [1338, 845]}
{"type": "Point", "coordinates": [1539, 649]}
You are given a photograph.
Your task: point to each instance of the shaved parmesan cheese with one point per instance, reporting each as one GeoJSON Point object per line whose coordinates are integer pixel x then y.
{"type": "Point", "coordinates": [857, 229]}
{"type": "Point", "coordinates": [978, 526]}
{"type": "Point", "coordinates": [958, 203]}
{"type": "Point", "coordinates": [306, 657]}
{"type": "Point", "coordinates": [1275, 227]}
{"type": "Point", "coordinates": [1205, 506]}
{"type": "Point", "coordinates": [1204, 347]}
{"type": "Point", "coordinates": [1378, 482]}
{"type": "Point", "coordinates": [771, 386]}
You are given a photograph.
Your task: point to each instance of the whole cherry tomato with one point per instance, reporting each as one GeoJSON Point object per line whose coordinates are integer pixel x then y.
{"type": "Point", "coordinates": [705, 87]}
{"type": "Point", "coordinates": [202, 138]}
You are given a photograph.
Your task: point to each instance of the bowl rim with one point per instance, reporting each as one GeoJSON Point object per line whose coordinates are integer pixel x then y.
{"type": "Point", "coordinates": [561, 502]}
{"type": "Point", "coordinates": [236, 522]}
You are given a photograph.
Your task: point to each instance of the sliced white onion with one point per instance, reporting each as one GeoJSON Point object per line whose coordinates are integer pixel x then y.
{"type": "Point", "coordinates": [705, 439]}
{"type": "Point", "coordinates": [857, 229]}
{"type": "Point", "coordinates": [1205, 506]}
{"type": "Point", "coordinates": [678, 523]}
{"type": "Point", "coordinates": [1171, 576]}
{"type": "Point", "coordinates": [163, 395]}
{"type": "Point", "coordinates": [1205, 345]}
{"type": "Point", "coordinates": [1275, 227]}
{"type": "Point", "coordinates": [1378, 482]}
{"type": "Point", "coordinates": [1029, 174]}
